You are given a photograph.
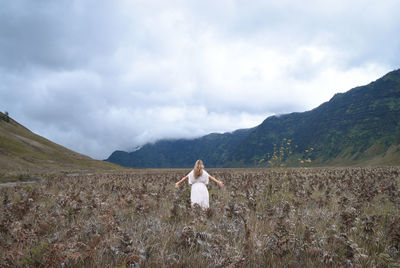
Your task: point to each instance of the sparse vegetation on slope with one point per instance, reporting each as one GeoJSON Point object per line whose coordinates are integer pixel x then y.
{"type": "Point", "coordinates": [344, 217]}
{"type": "Point", "coordinates": [24, 154]}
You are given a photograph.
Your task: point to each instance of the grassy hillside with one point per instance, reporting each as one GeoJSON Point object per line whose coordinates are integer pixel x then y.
{"type": "Point", "coordinates": [24, 154]}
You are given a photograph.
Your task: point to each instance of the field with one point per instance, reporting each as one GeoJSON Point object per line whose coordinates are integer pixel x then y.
{"type": "Point", "coordinates": [262, 217]}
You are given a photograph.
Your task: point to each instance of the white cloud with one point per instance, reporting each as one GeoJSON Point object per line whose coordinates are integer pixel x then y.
{"type": "Point", "coordinates": [97, 76]}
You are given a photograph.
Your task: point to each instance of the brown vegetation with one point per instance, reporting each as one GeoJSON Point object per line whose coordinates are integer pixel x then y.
{"type": "Point", "coordinates": [269, 217]}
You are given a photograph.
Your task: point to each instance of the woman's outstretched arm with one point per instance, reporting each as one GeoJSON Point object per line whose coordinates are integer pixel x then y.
{"type": "Point", "coordinates": [182, 180]}
{"type": "Point", "coordinates": [217, 181]}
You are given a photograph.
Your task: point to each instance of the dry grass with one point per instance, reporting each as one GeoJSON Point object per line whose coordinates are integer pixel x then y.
{"type": "Point", "coordinates": [267, 218]}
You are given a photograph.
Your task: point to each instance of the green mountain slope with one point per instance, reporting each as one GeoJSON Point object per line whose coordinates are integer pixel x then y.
{"type": "Point", "coordinates": [359, 127]}
{"type": "Point", "coordinates": [353, 127]}
{"type": "Point", "coordinates": [216, 148]}
{"type": "Point", "coordinates": [23, 153]}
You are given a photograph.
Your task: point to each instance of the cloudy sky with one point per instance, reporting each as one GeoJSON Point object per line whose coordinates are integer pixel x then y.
{"type": "Point", "coordinates": [96, 76]}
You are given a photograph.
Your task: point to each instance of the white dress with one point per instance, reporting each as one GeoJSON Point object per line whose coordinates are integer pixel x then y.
{"type": "Point", "coordinates": [199, 192]}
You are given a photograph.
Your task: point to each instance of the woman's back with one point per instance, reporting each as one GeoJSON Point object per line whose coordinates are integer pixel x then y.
{"type": "Point", "coordinates": [203, 178]}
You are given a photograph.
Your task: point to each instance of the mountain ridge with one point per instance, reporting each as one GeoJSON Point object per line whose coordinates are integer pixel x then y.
{"type": "Point", "coordinates": [214, 146]}
{"type": "Point", "coordinates": [360, 126]}
{"type": "Point", "coordinates": [342, 116]}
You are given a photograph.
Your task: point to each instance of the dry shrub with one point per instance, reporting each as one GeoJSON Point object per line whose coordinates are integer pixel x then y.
{"type": "Point", "coordinates": [262, 217]}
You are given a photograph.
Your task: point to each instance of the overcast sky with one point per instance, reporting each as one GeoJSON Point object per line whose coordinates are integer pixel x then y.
{"type": "Point", "coordinates": [97, 76]}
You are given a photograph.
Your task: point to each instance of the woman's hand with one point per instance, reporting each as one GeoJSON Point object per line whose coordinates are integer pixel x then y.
{"type": "Point", "coordinates": [182, 180]}
{"type": "Point", "coordinates": [217, 181]}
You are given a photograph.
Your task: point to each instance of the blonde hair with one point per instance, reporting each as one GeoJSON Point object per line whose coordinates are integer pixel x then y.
{"type": "Point", "coordinates": [198, 169]}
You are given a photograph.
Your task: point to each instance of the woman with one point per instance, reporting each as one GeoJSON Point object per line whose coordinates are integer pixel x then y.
{"type": "Point", "coordinates": [198, 178]}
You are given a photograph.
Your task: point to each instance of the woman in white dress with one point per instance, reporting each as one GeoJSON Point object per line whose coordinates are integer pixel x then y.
{"type": "Point", "coordinates": [198, 178]}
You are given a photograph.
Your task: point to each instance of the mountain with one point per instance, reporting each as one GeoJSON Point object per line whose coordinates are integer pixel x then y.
{"type": "Point", "coordinates": [25, 154]}
{"type": "Point", "coordinates": [359, 127]}
{"type": "Point", "coordinates": [216, 148]}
